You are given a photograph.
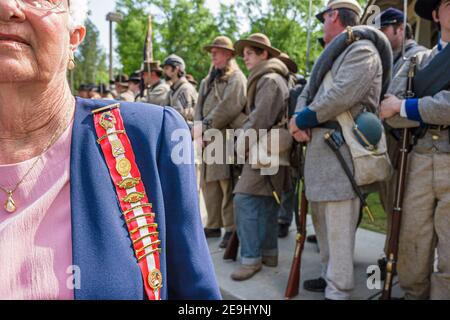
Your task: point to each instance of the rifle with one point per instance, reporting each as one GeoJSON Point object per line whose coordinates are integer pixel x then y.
{"type": "Point", "coordinates": [148, 54]}
{"type": "Point", "coordinates": [233, 244]}
{"type": "Point", "coordinates": [294, 275]}
{"type": "Point", "coordinates": [293, 284]}
{"type": "Point", "coordinates": [232, 247]}
{"type": "Point", "coordinates": [308, 41]}
{"type": "Point", "coordinates": [394, 236]}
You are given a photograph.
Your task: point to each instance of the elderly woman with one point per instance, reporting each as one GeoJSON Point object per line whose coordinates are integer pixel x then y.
{"type": "Point", "coordinates": [86, 185]}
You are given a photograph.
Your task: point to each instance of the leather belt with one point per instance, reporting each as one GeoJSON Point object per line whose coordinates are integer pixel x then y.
{"type": "Point", "coordinates": [332, 125]}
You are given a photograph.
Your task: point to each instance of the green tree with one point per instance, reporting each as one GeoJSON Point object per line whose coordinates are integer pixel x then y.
{"type": "Point", "coordinates": [228, 21]}
{"type": "Point", "coordinates": [90, 59]}
{"type": "Point", "coordinates": [182, 27]}
{"type": "Point", "coordinates": [187, 26]}
{"type": "Point", "coordinates": [285, 22]}
{"type": "Point", "coordinates": [131, 33]}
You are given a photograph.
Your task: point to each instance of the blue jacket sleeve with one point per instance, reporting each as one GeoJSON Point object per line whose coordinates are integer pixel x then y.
{"type": "Point", "coordinates": [190, 272]}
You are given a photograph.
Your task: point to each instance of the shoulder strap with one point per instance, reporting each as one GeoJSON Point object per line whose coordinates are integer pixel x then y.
{"type": "Point", "coordinates": [131, 195]}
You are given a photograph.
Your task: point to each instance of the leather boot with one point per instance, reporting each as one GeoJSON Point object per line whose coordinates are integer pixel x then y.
{"type": "Point", "coordinates": [245, 272]}
{"type": "Point", "coordinates": [270, 261]}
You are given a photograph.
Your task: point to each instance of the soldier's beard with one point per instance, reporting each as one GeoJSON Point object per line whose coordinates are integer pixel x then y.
{"type": "Point", "coordinates": [167, 78]}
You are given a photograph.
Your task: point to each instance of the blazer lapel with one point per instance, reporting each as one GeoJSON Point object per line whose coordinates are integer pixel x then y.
{"type": "Point", "coordinates": [102, 251]}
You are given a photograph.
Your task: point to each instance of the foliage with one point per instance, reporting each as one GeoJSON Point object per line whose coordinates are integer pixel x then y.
{"type": "Point", "coordinates": [184, 27]}
{"type": "Point", "coordinates": [90, 59]}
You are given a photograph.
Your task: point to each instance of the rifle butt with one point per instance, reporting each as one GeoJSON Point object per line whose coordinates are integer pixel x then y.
{"type": "Point", "coordinates": [232, 248]}
{"type": "Point", "coordinates": [293, 284]}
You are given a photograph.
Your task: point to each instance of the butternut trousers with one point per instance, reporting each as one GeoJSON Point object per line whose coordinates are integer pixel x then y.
{"type": "Point", "coordinates": [335, 224]}
{"type": "Point", "coordinates": [218, 197]}
{"type": "Point", "coordinates": [426, 227]}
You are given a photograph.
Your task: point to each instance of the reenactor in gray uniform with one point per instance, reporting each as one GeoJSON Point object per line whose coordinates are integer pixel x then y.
{"type": "Point", "coordinates": [183, 96]}
{"type": "Point", "coordinates": [134, 84]}
{"type": "Point", "coordinates": [83, 91]}
{"type": "Point", "coordinates": [105, 92]}
{"type": "Point", "coordinates": [255, 204]}
{"type": "Point", "coordinates": [391, 22]}
{"type": "Point", "coordinates": [392, 25]}
{"type": "Point", "coordinates": [425, 223]}
{"type": "Point", "coordinates": [356, 83]}
{"type": "Point", "coordinates": [157, 90]}
{"type": "Point", "coordinates": [221, 99]}
{"type": "Point", "coordinates": [123, 91]}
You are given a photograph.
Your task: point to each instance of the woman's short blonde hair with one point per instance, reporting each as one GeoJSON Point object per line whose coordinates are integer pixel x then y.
{"type": "Point", "coordinates": [78, 12]}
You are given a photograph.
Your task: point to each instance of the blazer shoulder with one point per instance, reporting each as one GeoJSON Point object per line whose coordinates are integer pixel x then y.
{"type": "Point", "coordinates": [137, 116]}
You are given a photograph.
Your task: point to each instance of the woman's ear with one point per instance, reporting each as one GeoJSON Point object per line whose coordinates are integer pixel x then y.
{"type": "Point", "coordinates": [77, 36]}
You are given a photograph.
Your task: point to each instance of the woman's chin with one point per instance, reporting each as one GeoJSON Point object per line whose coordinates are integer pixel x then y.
{"type": "Point", "coordinates": [13, 73]}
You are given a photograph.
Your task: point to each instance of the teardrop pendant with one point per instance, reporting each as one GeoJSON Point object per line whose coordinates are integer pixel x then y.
{"type": "Point", "coordinates": [10, 205]}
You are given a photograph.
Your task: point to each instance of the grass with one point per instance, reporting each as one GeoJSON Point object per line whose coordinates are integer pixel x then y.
{"type": "Point", "coordinates": [380, 217]}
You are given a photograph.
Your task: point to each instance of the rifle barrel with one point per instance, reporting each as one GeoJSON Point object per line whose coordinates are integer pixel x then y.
{"type": "Point", "coordinates": [394, 236]}
{"type": "Point", "coordinates": [293, 284]}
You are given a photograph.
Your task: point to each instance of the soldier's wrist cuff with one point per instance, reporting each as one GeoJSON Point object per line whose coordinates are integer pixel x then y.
{"type": "Point", "coordinates": [412, 110]}
{"type": "Point", "coordinates": [306, 119]}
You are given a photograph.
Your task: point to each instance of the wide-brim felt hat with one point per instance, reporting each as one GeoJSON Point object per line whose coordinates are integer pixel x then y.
{"type": "Point", "coordinates": [290, 64]}
{"type": "Point", "coordinates": [425, 8]}
{"type": "Point", "coordinates": [221, 42]}
{"type": "Point", "coordinates": [257, 40]}
{"type": "Point", "coordinates": [152, 66]}
{"type": "Point", "coordinates": [135, 76]}
{"type": "Point", "coordinates": [122, 79]}
{"type": "Point", "coordinates": [83, 87]}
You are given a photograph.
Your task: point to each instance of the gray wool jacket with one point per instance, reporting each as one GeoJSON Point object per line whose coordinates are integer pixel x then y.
{"type": "Point", "coordinates": [357, 75]}
{"type": "Point", "coordinates": [270, 103]}
{"type": "Point", "coordinates": [434, 110]}
{"type": "Point", "coordinates": [224, 102]}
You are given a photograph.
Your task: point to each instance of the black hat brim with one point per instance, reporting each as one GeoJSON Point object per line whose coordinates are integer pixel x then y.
{"type": "Point", "coordinates": [319, 16]}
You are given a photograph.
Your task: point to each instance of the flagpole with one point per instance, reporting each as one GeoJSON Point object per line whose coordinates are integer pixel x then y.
{"type": "Point", "coordinates": [149, 51]}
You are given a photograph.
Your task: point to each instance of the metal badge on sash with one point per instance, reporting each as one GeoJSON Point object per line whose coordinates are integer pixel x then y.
{"type": "Point", "coordinates": [131, 194]}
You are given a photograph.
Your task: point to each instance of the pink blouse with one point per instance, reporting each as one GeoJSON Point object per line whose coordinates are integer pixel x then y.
{"type": "Point", "coordinates": [35, 241]}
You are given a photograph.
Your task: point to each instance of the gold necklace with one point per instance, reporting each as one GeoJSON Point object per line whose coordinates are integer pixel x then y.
{"type": "Point", "coordinates": [10, 205]}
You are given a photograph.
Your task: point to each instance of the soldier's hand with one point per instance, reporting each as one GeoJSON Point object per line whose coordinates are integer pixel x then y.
{"type": "Point", "coordinates": [299, 135]}
{"type": "Point", "coordinates": [293, 126]}
{"type": "Point", "coordinates": [390, 106]}
{"type": "Point", "coordinates": [302, 136]}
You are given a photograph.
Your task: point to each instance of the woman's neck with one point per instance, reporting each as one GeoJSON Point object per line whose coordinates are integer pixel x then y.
{"type": "Point", "coordinates": [30, 114]}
